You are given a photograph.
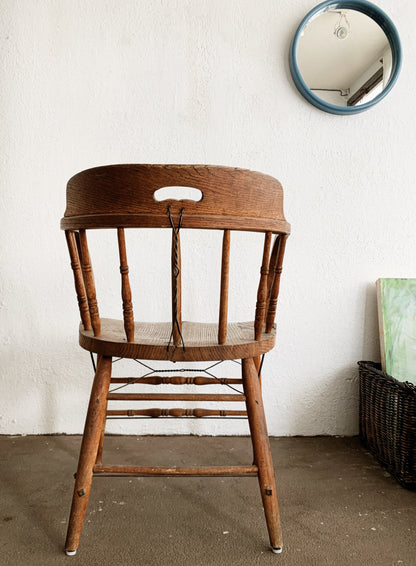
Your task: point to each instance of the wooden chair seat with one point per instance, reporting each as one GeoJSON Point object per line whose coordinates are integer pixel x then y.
{"type": "Point", "coordinates": [201, 341]}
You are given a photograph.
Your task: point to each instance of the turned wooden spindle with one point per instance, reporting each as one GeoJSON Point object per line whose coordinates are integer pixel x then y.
{"type": "Point", "coordinates": [125, 287]}
{"type": "Point", "coordinates": [262, 289]}
{"type": "Point", "coordinates": [177, 413]}
{"type": "Point", "coordinates": [272, 264]}
{"type": "Point", "coordinates": [225, 268]}
{"type": "Point", "coordinates": [89, 283]}
{"type": "Point", "coordinates": [274, 291]}
{"type": "Point", "coordinates": [176, 380]}
{"type": "Point", "coordinates": [78, 279]}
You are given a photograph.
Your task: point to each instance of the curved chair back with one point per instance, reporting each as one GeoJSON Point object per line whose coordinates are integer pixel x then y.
{"type": "Point", "coordinates": [125, 196]}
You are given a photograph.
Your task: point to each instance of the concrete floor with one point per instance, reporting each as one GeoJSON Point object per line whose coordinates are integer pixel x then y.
{"type": "Point", "coordinates": [338, 506]}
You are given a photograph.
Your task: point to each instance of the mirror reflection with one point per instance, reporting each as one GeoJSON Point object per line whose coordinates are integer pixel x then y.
{"type": "Point", "coordinates": [344, 57]}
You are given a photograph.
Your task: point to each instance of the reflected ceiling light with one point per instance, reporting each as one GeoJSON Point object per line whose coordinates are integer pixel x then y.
{"type": "Point", "coordinates": [342, 27]}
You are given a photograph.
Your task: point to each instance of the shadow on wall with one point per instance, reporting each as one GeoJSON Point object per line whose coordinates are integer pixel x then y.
{"type": "Point", "coordinates": [329, 406]}
{"type": "Point", "coordinates": [371, 338]}
{"type": "Point", "coordinates": [43, 396]}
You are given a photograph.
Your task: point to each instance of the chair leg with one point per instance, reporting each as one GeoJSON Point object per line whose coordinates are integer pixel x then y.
{"type": "Point", "coordinates": [89, 448]}
{"type": "Point", "coordinates": [262, 454]}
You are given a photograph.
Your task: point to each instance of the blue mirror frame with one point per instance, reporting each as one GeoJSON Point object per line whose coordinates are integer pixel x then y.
{"type": "Point", "coordinates": [386, 25]}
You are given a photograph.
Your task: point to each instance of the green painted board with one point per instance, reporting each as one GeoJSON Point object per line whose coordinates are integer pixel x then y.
{"type": "Point", "coordinates": [396, 299]}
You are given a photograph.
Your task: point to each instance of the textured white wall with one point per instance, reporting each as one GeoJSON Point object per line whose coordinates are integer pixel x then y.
{"type": "Point", "coordinates": [92, 82]}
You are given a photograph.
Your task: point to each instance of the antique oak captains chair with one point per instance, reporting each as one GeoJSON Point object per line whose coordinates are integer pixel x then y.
{"type": "Point", "coordinates": [124, 197]}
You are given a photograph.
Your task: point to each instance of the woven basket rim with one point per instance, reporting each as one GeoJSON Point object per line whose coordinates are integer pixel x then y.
{"type": "Point", "coordinates": [375, 367]}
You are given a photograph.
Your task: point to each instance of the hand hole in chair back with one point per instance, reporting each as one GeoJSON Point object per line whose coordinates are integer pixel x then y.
{"type": "Point", "coordinates": [178, 193]}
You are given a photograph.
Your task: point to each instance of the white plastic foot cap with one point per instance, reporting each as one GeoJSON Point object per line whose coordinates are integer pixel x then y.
{"type": "Point", "coordinates": [277, 550]}
{"type": "Point", "coordinates": [70, 552]}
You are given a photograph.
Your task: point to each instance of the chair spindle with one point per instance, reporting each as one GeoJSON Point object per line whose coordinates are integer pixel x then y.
{"type": "Point", "coordinates": [89, 283]}
{"type": "Point", "coordinates": [125, 287]}
{"type": "Point", "coordinates": [177, 413]}
{"type": "Point", "coordinates": [225, 268]}
{"type": "Point", "coordinates": [272, 263]}
{"type": "Point", "coordinates": [274, 290]}
{"type": "Point", "coordinates": [177, 380]}
{"type": "Point", "coordinates": [262, 289]}
{"type": "Point", "coordinates": [78, 279]}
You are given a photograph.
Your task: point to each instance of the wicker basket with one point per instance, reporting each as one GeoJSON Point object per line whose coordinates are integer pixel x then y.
{"type": "Point", "coordinates": [388, 422]}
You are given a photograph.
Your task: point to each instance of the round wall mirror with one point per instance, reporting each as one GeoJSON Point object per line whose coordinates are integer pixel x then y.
{"type": "Point", "coordinates": [345, 56]}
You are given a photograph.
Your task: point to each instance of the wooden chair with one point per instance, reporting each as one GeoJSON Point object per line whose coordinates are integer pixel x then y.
{"type": "Point", "coordinates": [122, 197]}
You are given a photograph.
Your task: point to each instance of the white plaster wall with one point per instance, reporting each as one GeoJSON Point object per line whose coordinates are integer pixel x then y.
{"type": "Point", "coordinates": [93, 82]}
